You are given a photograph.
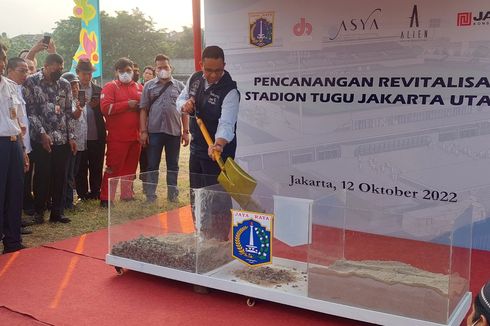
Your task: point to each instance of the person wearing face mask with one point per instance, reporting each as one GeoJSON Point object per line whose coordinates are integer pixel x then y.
{"type": "Point", "coordinates": [119, 105]}
{"type": "Point", "coordinates": [49, 108]}
{"type": "Point", "coordinates": [162, 127]}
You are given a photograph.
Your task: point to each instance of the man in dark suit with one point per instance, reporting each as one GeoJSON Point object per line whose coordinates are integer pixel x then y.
{"type": "Point", "coordinates": [92, 159]}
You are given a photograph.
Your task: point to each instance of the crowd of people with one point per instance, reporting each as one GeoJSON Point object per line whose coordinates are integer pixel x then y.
{"type": "Point", "coordinates": [56, 127]}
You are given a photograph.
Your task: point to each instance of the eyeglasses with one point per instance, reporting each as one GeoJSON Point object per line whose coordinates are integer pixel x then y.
{"type": "Point", "coordinates": [22, 71]}
{"type": "Point", "coordinates": [476, 322]}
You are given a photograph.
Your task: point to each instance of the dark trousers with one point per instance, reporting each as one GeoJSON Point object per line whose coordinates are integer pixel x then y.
{"type": "Point", "coordinates": [72, 164]}
{"type": "Point", "coordinates": [158, 142]}
{"type": "Point", "coordinates": [143, 164]}
{"type": "Point", "coordinates": [28, 204]}
{"type": "Point", "coordinates": [50, 171]}
{"type": "Point", "coordinates": [90, 170]}
{"type": "Point", "coordinates": [11, 194]}
{"type": "Point", "coordinates": [215, 215]}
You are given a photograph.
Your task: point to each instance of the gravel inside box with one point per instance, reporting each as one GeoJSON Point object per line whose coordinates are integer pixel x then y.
{"type": "Point", "coordinates": [176, 251]}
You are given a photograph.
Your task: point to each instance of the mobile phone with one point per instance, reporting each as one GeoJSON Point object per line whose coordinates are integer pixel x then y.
{"type": "Point", "coordinates": [46, 39]}
{"type": "Point", "coordinates": [81, 97]}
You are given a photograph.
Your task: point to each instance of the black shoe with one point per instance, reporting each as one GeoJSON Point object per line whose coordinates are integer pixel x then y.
{"type": "Point", "coordinates": [59, 219]}
{"type": "Point", "coordinates": [27, 221]}
{"type": "Point", "coordinates": [39, 219]}
{"type": "Point", "coordinates": [29, 212]}
{"type": "Point", "coordinates": [9, 250]}
{"type": "Point", "coordinates": [104, 203]}
{"type": "Point", "coordinates": [24, 230]}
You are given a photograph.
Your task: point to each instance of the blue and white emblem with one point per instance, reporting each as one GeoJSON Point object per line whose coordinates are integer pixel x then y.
{"type": "Point", "coordinates": [252, 233]}
{"type": "Point", "coordinates": [261, 28]}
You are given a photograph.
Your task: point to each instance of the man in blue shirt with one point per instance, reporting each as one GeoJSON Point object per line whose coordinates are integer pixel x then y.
{"type": "Point", "coordinates": [211, 95]}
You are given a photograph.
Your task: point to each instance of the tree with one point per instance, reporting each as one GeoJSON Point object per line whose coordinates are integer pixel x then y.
{"type": "Point", "coordinates": [66, 37]}
{"type": "Point", "coordinates": [127, 34]}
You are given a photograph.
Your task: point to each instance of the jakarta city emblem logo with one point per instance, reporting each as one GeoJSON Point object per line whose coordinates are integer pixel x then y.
{"type": "Point", "coordinates": [261, 28]}
{"type": "Point", "coordinates": [252, 233]}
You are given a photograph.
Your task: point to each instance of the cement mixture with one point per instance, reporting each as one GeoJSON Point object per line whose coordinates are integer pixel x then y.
{"type": "Point", "coordinates": [266, 276]}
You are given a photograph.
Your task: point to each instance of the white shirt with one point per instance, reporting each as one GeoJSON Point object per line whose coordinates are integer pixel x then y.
{"type": "Point", "coordinates": [229, 111]}
{"type": "Point", "coordinates": [25, 121]}
{"type": "Point", "coordinates": [10, 108]}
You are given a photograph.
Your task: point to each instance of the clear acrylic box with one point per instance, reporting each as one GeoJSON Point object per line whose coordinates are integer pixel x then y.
{"type": "Point", "coordinates": [390, 264]}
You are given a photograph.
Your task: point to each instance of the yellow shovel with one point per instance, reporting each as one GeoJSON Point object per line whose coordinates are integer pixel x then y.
{"type": "Point", "coordinates": [238, 183]}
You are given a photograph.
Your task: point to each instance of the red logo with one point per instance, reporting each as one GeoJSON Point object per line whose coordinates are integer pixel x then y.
{"type": "Point", "coordinates": [464, 18]}
{"type": "Point", "coordinates": [302, 28]}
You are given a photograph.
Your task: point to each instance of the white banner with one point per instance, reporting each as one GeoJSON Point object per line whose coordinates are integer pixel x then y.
{"type": "Point", "coordinates": [380, 103]}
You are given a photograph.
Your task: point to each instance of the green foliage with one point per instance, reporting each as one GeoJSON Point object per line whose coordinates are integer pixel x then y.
{"type": "Point", "coordinates": [127, 34]}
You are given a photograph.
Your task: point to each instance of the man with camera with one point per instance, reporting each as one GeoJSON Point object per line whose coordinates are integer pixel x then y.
{"type": "Point", "coordinates": [89, 176]}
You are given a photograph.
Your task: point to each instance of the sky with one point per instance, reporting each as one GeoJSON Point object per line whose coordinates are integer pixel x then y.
{"type": "Point", "coordinates": [39, 16]}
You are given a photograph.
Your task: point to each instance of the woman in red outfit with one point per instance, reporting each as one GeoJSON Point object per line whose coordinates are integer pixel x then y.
{"type": "Point", "coordinates": [119, 105]}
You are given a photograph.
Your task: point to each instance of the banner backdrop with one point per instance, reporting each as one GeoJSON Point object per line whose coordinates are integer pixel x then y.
{"type": "Point", "coordinates": [375, 104]}
{"type": "Point", "coordinates": [90, 46]}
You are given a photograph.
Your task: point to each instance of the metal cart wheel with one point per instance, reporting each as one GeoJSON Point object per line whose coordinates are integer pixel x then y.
{"type": "Point", "coordinates": [250, 302]}
{"type": "Point", "coordinates": [119, 270]}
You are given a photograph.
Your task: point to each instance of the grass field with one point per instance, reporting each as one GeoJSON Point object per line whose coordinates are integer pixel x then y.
{"type": "Point", "coordinates": [88, 216]}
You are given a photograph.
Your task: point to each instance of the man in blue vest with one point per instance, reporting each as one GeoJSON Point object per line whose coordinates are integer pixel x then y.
{"type": "Point", "coordinates": [211, 95]}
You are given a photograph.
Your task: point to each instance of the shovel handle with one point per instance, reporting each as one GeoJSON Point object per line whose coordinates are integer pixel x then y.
{"type": "Point", "coordinates": [209, 141]}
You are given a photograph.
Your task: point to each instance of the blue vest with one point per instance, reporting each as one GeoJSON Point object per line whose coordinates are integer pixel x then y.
{"type": "Point", "coordinates": [208, 108]}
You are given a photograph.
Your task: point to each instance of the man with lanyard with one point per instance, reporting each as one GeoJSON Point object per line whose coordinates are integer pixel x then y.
{"type": "Point", "coordinates": [162, 126]}
{"type": "Point", "coordinates": [211, 95]}
{"type": "Point", "coordinates": [49, 108]}
{"type": "Point", "coordinates": [13, 163]}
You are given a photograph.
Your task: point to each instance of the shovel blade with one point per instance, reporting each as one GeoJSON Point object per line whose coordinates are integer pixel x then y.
{"type": "Point", "coordinates": [235, 180]}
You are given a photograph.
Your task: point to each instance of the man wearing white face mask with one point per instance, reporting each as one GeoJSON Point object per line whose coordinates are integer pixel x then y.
{"type": "Point", "coordinates": [162, 126]}
{"type": "Point", "coordinates": [119, 105]}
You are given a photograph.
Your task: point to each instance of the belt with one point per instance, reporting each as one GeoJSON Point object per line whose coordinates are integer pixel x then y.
{"type": "Point", "coordinates": [10, 138]}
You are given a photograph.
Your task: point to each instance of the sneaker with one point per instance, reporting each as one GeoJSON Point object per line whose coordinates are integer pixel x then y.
{"type": "Point", "coordinates": [9, 250]}
{"type": "Point", "coordinates": [59, 219]}
{"type": "Point", "coordinates": [104, 203]}
{"type": "Point", "coordinates": [25, 230]}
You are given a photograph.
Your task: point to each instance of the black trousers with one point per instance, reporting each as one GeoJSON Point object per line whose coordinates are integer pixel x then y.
{"type": "Point", "coordinates": [11, 194]}
{"type": "Point", "coordinates": [28, 198]}
{"type": "Point", "coordinates": [50, 172]}
{"type": "Point", "coordinates": [215, 214]}
{"type": "Point", "coordinates": [90, 170]}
